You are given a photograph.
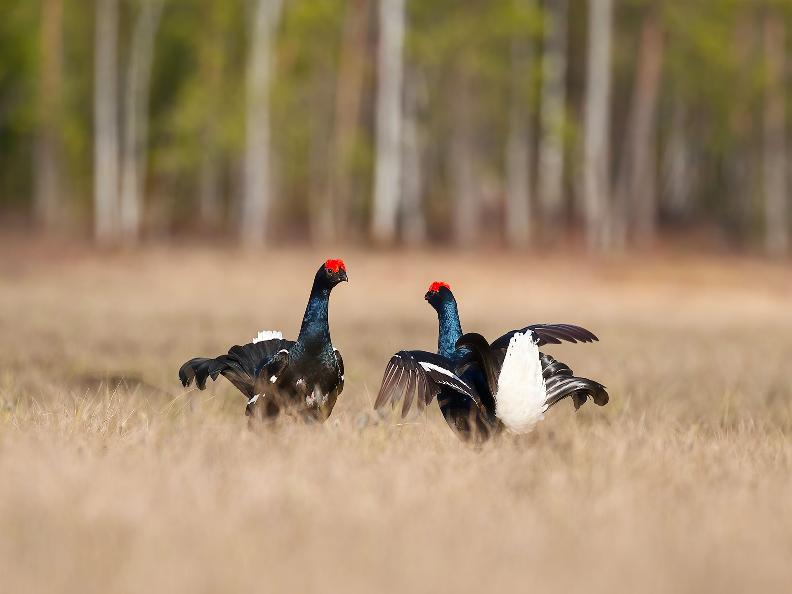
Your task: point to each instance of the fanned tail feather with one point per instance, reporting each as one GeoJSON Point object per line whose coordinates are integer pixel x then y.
{"type": "Point", "coordinates": [517, 394]}
{"type": "Point", "coordinates": [240, 366]}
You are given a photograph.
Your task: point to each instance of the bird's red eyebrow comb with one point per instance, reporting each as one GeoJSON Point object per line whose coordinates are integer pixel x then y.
{"type": "Point", "coordinates": [435, 286]}
{"type": "Point", "coordinates": [335, 265]}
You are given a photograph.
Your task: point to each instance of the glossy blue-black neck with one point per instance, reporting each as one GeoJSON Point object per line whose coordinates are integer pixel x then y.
{"type": "Point", "coordinates": [315, 330]}
{"type": "Point", "coordinates": [450, 329]}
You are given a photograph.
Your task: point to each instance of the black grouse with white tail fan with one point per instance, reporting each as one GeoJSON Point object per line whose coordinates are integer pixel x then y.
{"type": "Point", "coordinates": [482, 388]}
{"type": "Point", "coordinates": [303, 376]}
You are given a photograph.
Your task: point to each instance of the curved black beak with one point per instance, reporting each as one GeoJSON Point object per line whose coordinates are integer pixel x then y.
{"type": "Point", "coordinates": [344, 277]}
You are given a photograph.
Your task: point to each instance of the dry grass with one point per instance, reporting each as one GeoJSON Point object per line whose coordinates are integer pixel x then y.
{"type": "Point", "coordinates": [682, 484]}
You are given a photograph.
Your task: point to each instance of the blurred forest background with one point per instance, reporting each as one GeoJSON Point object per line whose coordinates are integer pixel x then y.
{"type": "Point", "coordinates": [509, 122]}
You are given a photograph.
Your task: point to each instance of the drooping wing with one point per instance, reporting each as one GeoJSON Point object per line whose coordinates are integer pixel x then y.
{"type": "Point", "coordinates": [241, 365]}
{"type": "Point", "coordinates": [481, 355]}
{"type": "Point", "coordinates": [419, 376]}
{"type": "Point", "coordinates": [549, 334]}
{"type": "Point", "coordinates": [340, 363]}
{"type": "Point", "coordinates": [267, 375]}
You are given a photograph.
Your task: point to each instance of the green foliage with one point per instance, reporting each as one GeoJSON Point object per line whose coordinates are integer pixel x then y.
{"type": "Point", "coordinates": [713, 66]}
{"type": "Point", "coordinates": [18, 67]}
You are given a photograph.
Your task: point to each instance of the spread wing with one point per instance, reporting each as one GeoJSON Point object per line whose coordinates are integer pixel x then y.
{"type": "Point", "coordinates": [419, 376]}
{"type": "Point", "coordinates": [549, 334]}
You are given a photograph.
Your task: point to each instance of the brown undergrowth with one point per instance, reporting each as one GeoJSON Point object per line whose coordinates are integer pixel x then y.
{"type": "Point", "coordinates": [115, 479]}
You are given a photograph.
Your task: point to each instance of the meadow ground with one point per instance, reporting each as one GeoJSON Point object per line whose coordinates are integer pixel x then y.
{"type": "Point", "coordinates": [115, 479]}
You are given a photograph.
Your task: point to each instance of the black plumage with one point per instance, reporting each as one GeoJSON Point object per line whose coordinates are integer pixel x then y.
{"type": "Point", "coordinates": [422, 374]}
{"type": "Point", "coordinates": [464, 372]}
{"type": "Point", "coordinates": [304, 376]}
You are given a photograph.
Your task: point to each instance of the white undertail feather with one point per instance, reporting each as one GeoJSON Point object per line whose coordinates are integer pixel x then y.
{"type": "Point", "coordinates": [267, 335]}
{"type": "Point", "coordinates": [520, 401]}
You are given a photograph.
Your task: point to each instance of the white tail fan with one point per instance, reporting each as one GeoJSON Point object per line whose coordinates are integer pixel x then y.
{"type": "Point", "coordinates": [267, 335]}
{"type": "Point", "coordinates": [520, 401]}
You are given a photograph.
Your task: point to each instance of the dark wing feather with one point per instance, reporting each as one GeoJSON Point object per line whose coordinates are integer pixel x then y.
{"type": "Point", "coordinates": [560, 383]}
{"type": "Point", "coordinates": [419, 375]}
{"type": "Point", "coordinates": [340, 363]}
{"type": "Point", "coordinates": [240, 366]}
{"type": "Point", "coordinates": [409, 393]}
{"type": "Point", "coordinates": [481, 354]}
{"type": "Point", "coordinates": [549, 334]}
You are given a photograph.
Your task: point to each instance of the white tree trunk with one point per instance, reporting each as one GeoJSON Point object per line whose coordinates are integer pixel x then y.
{"type": "Point", "coordinates": [348, 98]}
{"type": "Point", "coordinates": [412, 178]}
{"type": "Point", "coordinates": [463, 179]}
{"type": "Point", "coordinates": [212, 63]}
{"type": "Point", "coordinates": [321, 214]}
{"type": "Point", "coordinates": [136, 115]}
{"type": "Point", "coordinates": [636, 189]}
{"type": "Point", "coordinates": [47, 159]}
{"type": "Point", "coordinates": [774, 138]}
{"type": "Point", "coordinates": [387, 189]}
{"type": "Point", "coordinates": [257, 188]}
{"type": "Point", "coordinates": [678, 166]}
{"type": "Point", "coordinates": [596, 152]}
{"type": "Point", "coordinates": [518, 152]}
{"type": "Point", "coordinates": [551, 142]}
{"type": "Point", "coordinates": [209, 183]}
{"type": "Point", "coordinates": [106, 121]}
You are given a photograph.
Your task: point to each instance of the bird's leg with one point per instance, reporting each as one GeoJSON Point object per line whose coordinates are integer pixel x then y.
{"type": "Point", "coordinates": [264, 410]}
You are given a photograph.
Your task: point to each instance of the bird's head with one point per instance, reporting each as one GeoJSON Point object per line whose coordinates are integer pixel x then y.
{"type": "Point", "coordinates": [332, 272]}
{"type": "Point", "coordinates": [438, 293]}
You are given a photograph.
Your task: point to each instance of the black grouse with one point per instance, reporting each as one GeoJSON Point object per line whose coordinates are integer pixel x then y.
{"type": "Point", "coordinates": [303, 377]}
{"type": "Point", "coordinates": [483, 388]}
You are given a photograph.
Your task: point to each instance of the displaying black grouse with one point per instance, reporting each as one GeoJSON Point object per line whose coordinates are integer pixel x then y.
{"type": "Point", "coordinates": [304, 377]}
{"type": "Point", "coordinates": [483, 388]}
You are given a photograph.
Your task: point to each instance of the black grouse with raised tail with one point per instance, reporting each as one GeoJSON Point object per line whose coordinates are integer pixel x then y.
{"type": "Point", "coordinates": [482, 388]}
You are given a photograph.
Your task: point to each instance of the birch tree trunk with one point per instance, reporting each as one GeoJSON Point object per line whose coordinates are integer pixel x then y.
{"type": "Point", "coordinates": [518, 152]}
{"type": "Point", "coordinates": [257, 181]}
{"type": "Point", "coordinates": [637, 185]}
{"type": "Point", "coordinates": [678, 167]}
{"type": "Point", "coordinates": [209, 182]}
{"type": "Point", "coordinates": [414, 221]}
{"type": "Point", "coordinates": [596, 150]}
{"type": "Point", "coordinates": [212, 63]}
{"type": "Point", "coordinates": [136, 116]}
{"type": "Point", "coordinates": [349, 95]}
{"type": "Point", "coordinates": [774, 138]}
{"type": "Point", "coordinates": [553, 114]}
{"type": "Point", "coordinates": [321, 214]}
{"type": "Point", "coordinates": [48, 149]}
{"type": "Point", "coordinates": [106, 121]}
{"type": "Point", "coordinates": [387, 190]}
{"type": "Point", "coordinates": [463, 188]}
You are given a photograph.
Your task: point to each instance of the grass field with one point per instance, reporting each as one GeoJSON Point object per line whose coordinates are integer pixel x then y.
{"type": "Point", "coordinates": [115, 479]}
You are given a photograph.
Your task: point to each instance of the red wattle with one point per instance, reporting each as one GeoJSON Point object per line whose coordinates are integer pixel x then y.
{"type": "Point", "coordinates": [435, 286]}
{"type": "Point", "coordinates": [335, 265]}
